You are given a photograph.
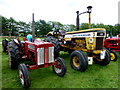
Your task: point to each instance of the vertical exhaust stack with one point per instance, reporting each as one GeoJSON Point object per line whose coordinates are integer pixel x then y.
{"type": "Point", "coordinates": [33, 28]}
{"type": "Point", "coordinates": [77, 21]}
{"type": "Point", "coordinates": [89, 12]}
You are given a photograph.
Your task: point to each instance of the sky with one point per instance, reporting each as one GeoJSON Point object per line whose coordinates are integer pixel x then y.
{"type": "Point", "coordinates": [63, 11]}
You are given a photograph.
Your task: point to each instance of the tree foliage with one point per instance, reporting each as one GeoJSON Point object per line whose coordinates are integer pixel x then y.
{"type": "Point", "coordinates": [42, 27]}
{"type": "Point", "coordinates": [13, 27]}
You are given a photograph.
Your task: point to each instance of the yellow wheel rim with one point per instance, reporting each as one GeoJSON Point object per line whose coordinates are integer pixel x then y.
{"type": "Point", "coordinates": [76, 62]}
{"type": "Point", "coordinates": [112, 56]}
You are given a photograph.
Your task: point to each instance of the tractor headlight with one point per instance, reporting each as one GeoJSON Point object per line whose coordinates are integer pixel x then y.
{"type": "Point", "coordinates": [91, 40]}
{"type": "Point", "coordinates": [57, 32]}
{"type": "Point", "coordinates": [54, 32]}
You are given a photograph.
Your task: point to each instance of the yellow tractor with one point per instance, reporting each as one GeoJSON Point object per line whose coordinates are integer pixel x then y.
{"type": "Point", "coordinates": [83, 46]}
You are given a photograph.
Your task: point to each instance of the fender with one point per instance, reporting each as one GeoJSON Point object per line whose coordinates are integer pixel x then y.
{"type": "Point", "coordinates": [17, 42]}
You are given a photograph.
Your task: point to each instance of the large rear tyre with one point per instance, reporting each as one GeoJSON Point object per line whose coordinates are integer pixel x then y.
{"type": "Point", "coordinates": [24, 76]}
{"type": "Point", "coordinates": [78, 61]}
{"type": "Point", "coordinates": [104, 61]}
{"type": "Point", "coordinates": [14, 55]}
{"type": "Point", "coordinates": [56, 45]}
{"type": "Point", "coordinates": [60, 68]}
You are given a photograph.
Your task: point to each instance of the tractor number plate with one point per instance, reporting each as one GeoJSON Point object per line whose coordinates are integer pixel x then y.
{"type": "Point", "coordinates": [90, 60]}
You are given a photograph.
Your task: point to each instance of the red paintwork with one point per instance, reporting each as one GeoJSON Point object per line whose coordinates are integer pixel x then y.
{"type": "Point", "coordinates": [41, 66]}
{"type": "Point", "coordinates": [24, 39]}
{"type": "Point", "coordinates": [37, 44]}
{"type": "Point", "coordinates": [115, 45]}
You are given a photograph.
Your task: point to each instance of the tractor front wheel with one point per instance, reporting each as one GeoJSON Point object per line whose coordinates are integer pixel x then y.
{"type": "Point", "coordinates": [24, 76]}
{"type": "Point", "coordinates": [78, 61]}
{"type": "Point", "coordinates": [60, 68]}
{"type": "Point", "coordinates": [113, 55]}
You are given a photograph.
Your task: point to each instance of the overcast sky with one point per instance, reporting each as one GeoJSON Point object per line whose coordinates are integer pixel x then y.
{"type": "Point", "coordinates": [64, 11]}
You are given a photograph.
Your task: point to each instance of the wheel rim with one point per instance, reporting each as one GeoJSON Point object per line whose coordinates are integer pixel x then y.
{"type": "Point", "coordinates": [76, 61]}
{"type": "Point", "coordinates": [112, 56]}
{"type": "Point", "coordinates": [21, 77]}
{"type": "Point", "coordinates": [57, 68]}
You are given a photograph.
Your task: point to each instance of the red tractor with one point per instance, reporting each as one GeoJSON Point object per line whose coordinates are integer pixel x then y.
{"type": "Point", "coordinates": [39, 53]}
{"type": "Point", "coordinates": [113, 45]}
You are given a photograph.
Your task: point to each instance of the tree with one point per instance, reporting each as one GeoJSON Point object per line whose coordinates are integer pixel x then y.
{"type": "Point", "coordinates": [42, 27]}
{"type": "Point", "coordinates": [5, 25]}
{"type": "Point", "coordinates": [84, 26]}
{"type": "Point", "coordinates": [69, 27]}
{"type": "Point", "coordinates": [24, 27]}
{"type": "Point", "coordinates": [12, 27]}
{"type": "Point", "coordinates": [117, 29]}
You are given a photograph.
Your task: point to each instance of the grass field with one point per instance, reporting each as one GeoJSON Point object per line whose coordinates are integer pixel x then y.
{"type": "Point", "coordinates": [95, 76]}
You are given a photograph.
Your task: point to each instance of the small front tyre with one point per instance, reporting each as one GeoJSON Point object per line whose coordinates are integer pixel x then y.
{"type": "Point", "coordinates": [113, 55]}
{"type": "Point", "coordinates": [60, 68]}
{"type": "Point", "coordinates": [24, 76]}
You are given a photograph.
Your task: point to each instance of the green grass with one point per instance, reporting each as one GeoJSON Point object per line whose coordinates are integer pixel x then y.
{"type": "Point", "coordinates": [95, 76]}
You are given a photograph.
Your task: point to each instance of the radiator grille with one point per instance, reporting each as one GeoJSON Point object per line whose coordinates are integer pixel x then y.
{"type": "Point", "coordinates": [99, 43]}
{"type": "Point", "coordinates": [40, 56]}
{"type": "Point", "coordinates": [51, 54]}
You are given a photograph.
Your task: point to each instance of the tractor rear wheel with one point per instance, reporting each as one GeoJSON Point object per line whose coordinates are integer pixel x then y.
{"type": "Point", "coordinates": [14, 55]}
{"type": "Point", "coordinates": [104, 61]}
{"type": "Point", "coordinates": [24, 76]}
{"type": "Point", "coordinates": [60, 68]}
{"type": "Point", "coordinates": [56, 45]}
{"type": "Point", "coordinates": [78, 61]}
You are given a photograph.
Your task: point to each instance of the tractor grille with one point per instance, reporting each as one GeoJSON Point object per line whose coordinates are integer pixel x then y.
{"type": "Point", "coordinates": [45, 55]}
{"type": "Point", "coordinates": [40, 56]}
{"type": "Point", "coordinates": [99, 43]}
{"type": "Point", "coordinates": [112, 42]}
{"type": "Point", "coordinates": [51, 54]}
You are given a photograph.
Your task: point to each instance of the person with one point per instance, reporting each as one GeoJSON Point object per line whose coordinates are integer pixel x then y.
{"type": "Point", "coordinates": [29, 37]}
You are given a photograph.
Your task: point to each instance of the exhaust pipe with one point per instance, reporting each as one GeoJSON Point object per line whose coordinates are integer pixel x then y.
{"type": "Point", "coordinates": [33, 28]}
{"type": "Point", "coordinates": [77, 21]}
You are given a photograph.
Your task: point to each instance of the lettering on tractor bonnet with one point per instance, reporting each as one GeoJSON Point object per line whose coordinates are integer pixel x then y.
{"type": "Point", "coordinates": [31, 47]}
{"type": "Point", "coordinates": [79, 35]}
